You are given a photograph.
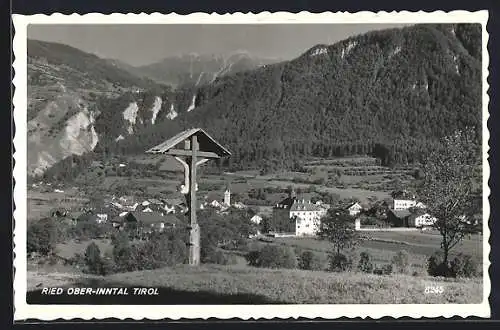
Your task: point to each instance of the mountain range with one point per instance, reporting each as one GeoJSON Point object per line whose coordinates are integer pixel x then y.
{"type": "Point", "coordinates": [196, 69]}
{"type": "Point", "coordinates": [390, 93]}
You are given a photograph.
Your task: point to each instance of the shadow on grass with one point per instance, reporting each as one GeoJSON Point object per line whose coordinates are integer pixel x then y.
{"type": "Point", "coordinates": [166, 296]}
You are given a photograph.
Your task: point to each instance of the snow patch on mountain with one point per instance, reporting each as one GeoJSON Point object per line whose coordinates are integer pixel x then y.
{"type": "Point", "coordinates": [130, 115]}
{"type": "Point", "coordinates": [192, 105]}
{"type": "Point", "coordinates": [120, 137]}
{"type": "Point", "coordinates": [172, 113]}
{"type": "Point", "coordinates": [156, 108]}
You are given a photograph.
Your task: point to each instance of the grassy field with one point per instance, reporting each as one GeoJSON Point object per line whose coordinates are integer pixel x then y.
{"type": "Point", "coordinates": [69, 249]}
{"type": "Point", "coordinates": [214, 284]}
{"type": "Point", "coordinates": [418, 245]}
{"type": "Point", "coordinates": [426, 242]}
{"type": "Point", "coordinates": [40, 204]}
{"type": "Point", "coordinates": [261, 182]}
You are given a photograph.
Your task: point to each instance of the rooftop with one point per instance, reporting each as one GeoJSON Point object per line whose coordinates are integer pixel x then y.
{"type": "Point", "coordinates": [295, 204]}
{"type": "Point", "coordinates": [401, 213]}
{"type": "Point", "coordinates": [205, 141]}
{"type": "Point", "coordinates": [149, 218]}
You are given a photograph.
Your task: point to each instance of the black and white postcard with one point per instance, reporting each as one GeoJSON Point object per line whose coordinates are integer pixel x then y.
{"type": "Point", "coordinates": [268, 165]}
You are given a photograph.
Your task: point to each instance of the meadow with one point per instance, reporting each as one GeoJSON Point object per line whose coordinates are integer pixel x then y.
{"type": "Point", "coordinates": [40, 202]}
{"type": "Point", "coordinates": [68, 249]}
{"type": "Point", "coordinates": [209, 284]}
{"type": "Point", "coordinates": [418, 245]}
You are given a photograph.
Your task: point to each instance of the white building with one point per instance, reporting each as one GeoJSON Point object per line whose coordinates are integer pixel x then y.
{"type": "Point", "coordinates": [422, 220]}
{"type": "Point", "coordinates": [215, 204]}
{"type": "Point", "coordinates": [308, 217]}
{"type": "Point", "coordinates": [256, 219]}
{"type": "Point", "coordinates": [101, 217]}
{"type": "Point", "coordinates": [354, 209]}
{"type": "Point", "coordinates": [239, 205]}
{"type": "Point", "coordinates": [169, 209]}
{"type": "Point", "coordinates": [299, 217]}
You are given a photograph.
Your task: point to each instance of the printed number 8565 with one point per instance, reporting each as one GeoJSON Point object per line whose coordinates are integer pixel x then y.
{"type": "Point", "coordinates": [434, 290]}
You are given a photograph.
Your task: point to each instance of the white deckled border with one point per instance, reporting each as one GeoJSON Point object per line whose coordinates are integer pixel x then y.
{"type": "Point", "coordinates": [245, 312]}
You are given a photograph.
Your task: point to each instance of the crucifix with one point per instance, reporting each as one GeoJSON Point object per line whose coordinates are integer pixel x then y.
{"type": "Point", "coordinates": [197, 148]}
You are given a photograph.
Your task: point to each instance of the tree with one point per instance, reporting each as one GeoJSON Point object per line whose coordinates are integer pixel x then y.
{"type": "Point", "coordinates": [447, 188]}
{"type": "Point", "coordinates": [365, 264]}
{"type": "Point", "coordinates": [122, 251]}
{"type": "Point", "coordinates": [337, 226]}
{"type": "Point", "coordinates": [42, 236]}
{"type": "Point", "coordinates": [265, 225]}
{"type": "Point", "coordinates": [93, 258]}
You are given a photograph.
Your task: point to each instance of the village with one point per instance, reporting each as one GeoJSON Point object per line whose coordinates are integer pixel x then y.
{"type": "Point", "coordinates": [292, 216]}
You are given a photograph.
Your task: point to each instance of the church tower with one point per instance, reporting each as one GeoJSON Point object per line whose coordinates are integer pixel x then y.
{"type": "Point", "coordinates": [227, 196]}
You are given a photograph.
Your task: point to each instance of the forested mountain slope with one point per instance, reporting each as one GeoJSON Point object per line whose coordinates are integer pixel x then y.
{"type": "Point", "coordinates": [392, 93]}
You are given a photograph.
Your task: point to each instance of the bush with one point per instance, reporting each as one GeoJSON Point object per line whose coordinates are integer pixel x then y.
{"type": "Point", "coordinates": [436, 266]}
{"type": "Point", "coordinates": [401, 262]}
{"type": "Point", "coordinates": [253, 257]}
{"type": "Point", "coordinates": [463, 266]}
{"type": "Point", "coordinates": [311, 261]}
{"type": "Point", "coordinates": [340, 263]}
{"type": "Point", "coordinates": [365, 265]}
{"type": "Point", "coordinates": [161, 250]}
{"type": "Point", "coordinates": [273, 256]}
{"type": "Point", "coordinates": [221, 258]}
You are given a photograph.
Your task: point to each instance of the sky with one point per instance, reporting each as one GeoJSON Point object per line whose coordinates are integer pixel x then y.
{"type": "Point", "coordinates": [144, 44]}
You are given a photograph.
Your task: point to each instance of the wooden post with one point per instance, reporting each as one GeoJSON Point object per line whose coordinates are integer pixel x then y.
{"type": "Point", "coordinates": [190, 157]}
{"type": "Point", "coordinates": [194, 233]}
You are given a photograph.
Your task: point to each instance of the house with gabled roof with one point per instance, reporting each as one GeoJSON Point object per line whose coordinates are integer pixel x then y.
{"type": "Point", "coordinates": [419, 218]}
{"type": "Point", "coordinates": [354, 209]}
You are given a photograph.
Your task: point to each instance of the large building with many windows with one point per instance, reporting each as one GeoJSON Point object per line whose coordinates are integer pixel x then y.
{"type": "Point", "coordinates": [296, 216]}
